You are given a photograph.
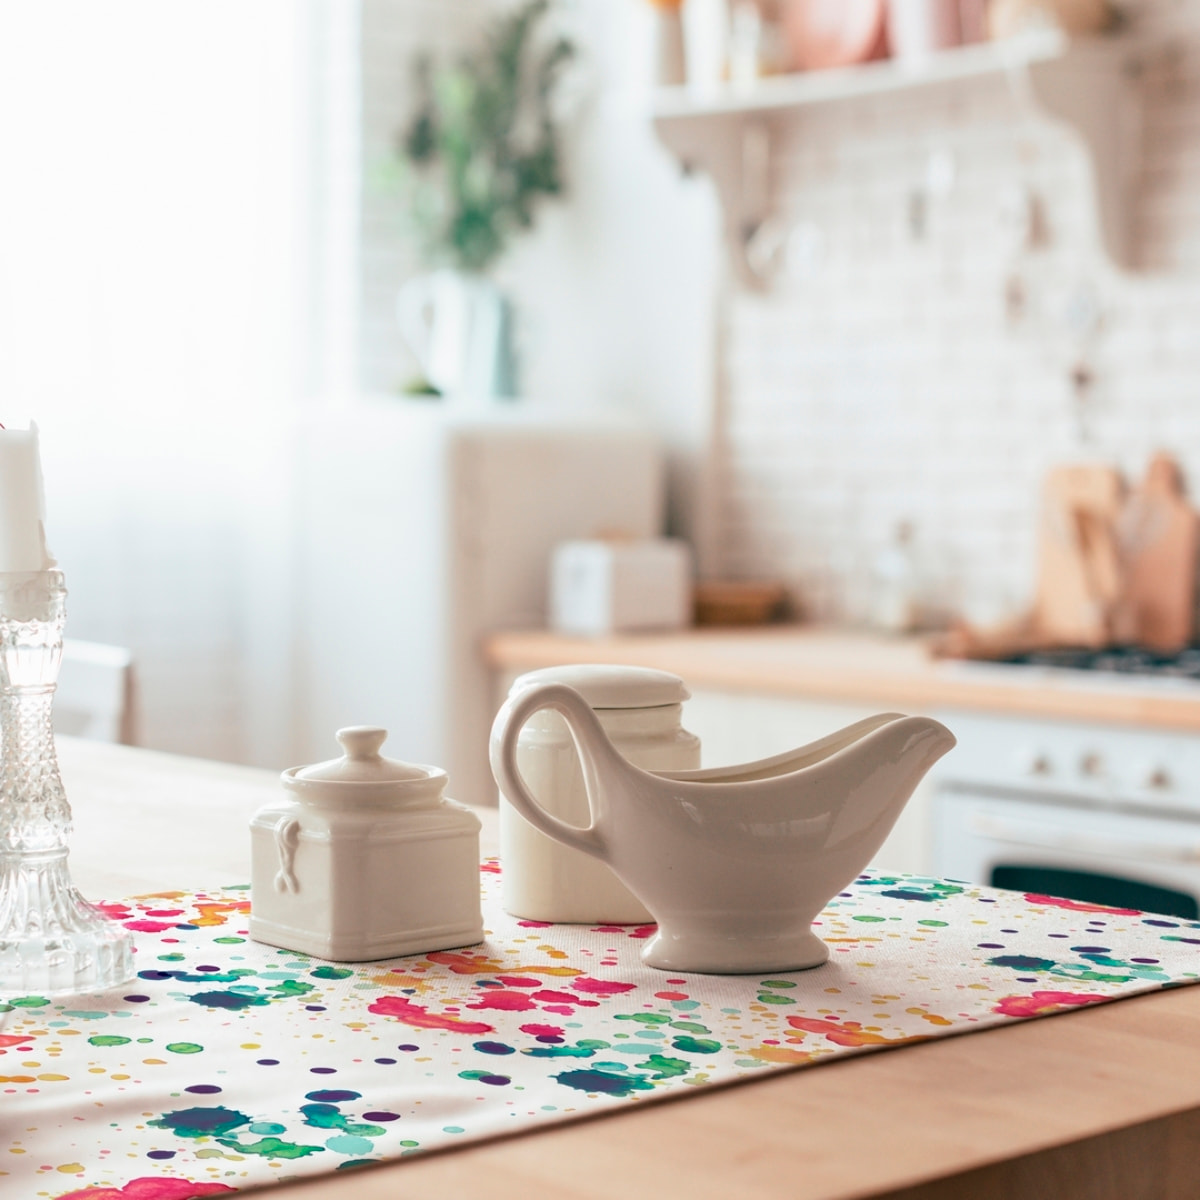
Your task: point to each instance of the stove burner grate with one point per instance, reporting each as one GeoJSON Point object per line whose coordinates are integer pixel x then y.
{"type": "Point", "coordinates": [1125, 660]}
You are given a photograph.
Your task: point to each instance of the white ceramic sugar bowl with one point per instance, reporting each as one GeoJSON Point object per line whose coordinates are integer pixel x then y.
{"type": "Point", "coordinates": [640, 710]}
{"type": "Point", "coordinates": [365, 859]}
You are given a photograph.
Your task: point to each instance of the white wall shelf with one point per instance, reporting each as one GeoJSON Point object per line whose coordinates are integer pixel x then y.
{"type": "Point", "coordinates": [1087, 84]}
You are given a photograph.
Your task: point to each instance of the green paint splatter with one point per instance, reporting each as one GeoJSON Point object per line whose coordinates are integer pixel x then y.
{"type": "Point", "coordinates": [934, 924]}
{"type": "Point", "coordinates": [691, 1045]}
{"type": "Point", "coordinates": [184, 1048]}
{"type": "Point", "coordinates": [170, 957]}
{"type": "Point", "coordinates": [331, 973]}
{"type": "Point", "coordinates": [229, 941]}
{"type": "Point", "coordinates": [665, 1068]}
{"type": "Point", "coordinates": [690, 1027]}
{"type": "Point", "coordinates": [108, 1039]}
{"type": "Point", "coordinates": [344, 1143]}
{"type": "Point", "coordinates": [773, 998]}
{"type": "Point", "coordinates": [270, 1147]}
{"type": "Point", "coordinates": [867, 917]}
{"type": "Point", "coordinates": [291, 987]}
{"type": "Point", "coordinates": [784, 984]}
{"type": "Point", "coordinates": [645, 1018]}
{"type": "Point", "coordinates": [329, 1116]}
{"type": "Point", "coordinates": [30, 1002]}
{"type": "Point", "coordinates": [261, 1127]}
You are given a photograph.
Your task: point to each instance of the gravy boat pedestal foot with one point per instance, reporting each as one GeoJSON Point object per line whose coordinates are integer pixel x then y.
{"type": "Point", "coordinates": [714, 953]}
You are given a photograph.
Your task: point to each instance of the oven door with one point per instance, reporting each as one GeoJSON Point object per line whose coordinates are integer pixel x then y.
{"type": "Point", "coordinates": [1120, 859]}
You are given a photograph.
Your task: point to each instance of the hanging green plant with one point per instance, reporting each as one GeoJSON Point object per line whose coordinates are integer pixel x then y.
{"type": "Point", "coordinates": [482, 146]}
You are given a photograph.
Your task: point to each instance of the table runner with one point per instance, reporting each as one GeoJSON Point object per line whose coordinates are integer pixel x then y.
{"type": "Point", "coordinates": [228, 1063]}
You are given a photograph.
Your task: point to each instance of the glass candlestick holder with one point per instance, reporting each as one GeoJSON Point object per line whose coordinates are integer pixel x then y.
{"type": "Point", "coordinates": [52, 941]}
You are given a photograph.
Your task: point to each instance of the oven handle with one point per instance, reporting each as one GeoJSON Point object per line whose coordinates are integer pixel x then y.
{"type": "Point", "coordinates": [1048, 837]}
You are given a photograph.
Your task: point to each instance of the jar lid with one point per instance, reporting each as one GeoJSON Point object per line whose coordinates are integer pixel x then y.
{"type": "Point", "coordinates": [362, 762]}
{"type": "Point", "coordinates": [606, 685]}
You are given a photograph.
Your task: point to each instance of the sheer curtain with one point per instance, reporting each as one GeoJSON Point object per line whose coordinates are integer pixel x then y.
{"type": "Point", "coordinates": [160, 256]}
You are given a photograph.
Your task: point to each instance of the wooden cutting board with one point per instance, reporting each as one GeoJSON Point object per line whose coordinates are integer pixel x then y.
{"type": "Point", "coordinates": [1079, 561]}
{"type": "Point", "coordinates": [1159, 534]}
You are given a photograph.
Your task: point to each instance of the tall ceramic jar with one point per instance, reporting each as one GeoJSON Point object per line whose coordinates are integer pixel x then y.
{"type": "Point", "coordinates": [640, 709]}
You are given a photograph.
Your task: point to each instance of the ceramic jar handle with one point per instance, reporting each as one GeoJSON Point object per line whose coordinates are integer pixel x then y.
{"type": "Point", "coordinates": [590, 741]}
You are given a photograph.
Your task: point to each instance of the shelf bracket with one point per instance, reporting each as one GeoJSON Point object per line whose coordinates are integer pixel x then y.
{"type": "Point", "coordinates": [1102, 105]}
{"type": "Point", "coordinates": [738, 160]}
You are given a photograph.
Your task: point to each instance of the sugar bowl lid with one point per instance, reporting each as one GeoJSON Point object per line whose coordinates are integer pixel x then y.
{"type": "Point", "coordinates": [363, 773]}
{"type": "Point", "coordinates": [607, 685]}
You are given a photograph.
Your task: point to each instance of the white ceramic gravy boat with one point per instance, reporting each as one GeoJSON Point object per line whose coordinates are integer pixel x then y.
{"type": "Point", "coordinates": [734, 863]}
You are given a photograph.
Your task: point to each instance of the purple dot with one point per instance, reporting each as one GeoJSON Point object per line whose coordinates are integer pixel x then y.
{"type": "Point", "coordinates": [495, 1080]}
{"type": "Point", "coordinates": [1027, 979]}
{"type": "Point", "coordinates": [187, 926]}
{"type": "Point", "coordinates": [323, 1070]}
{"type": "Point", "coordinates": [314, 1007]}
{"type": "Point", "coordinates": [1058, 935]}
{"type": "Point", "coordinates": [986, 900]}
{"type": "Point", "coordinates": [1090, 949]}
{"type": "Point", "coordinates": [990, 946]}
{"type": "Point", "coordinates": [381, 1116]}
{"type": "Point", "coordinates": [1164, 924]}
{"type": "Point", "coordinates": [161, 1154]}
{"type": "Point", "coordinates": [155, 974]}
{"type": "Point", "coordinates": [208, 968]}
{"type": "Point", "coordinates": [268, 1062]}
{"type": "Point", "coordinates": [494, 1048]}
{"type": "Point", "coordinates": [406, 1046]}
{"type": "Point", "coordinates": [1144, 960]}
{"type": "Point", "coordinates": [1189, 941]}
{"type": "Point", "coordinates": [138, 1000]}
{"type": "Point", "coordinates": [333, 1096]}
{"type": "Point", "coordinates": [385, 1062]}
{"type": "Point", "coordinates": [203, 1089]}
{"type": "Point", "coordinates": [1010, 931]}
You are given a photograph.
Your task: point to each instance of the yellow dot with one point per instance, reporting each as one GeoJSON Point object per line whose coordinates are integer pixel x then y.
{"type": "Point", "coordinates": [251, 1046]}
{"type": "Point", "coordinates": [95, 1070]}
{"type": "Point", "coordinates": [48, 1078]}
{"type": "Point", "coordinates": [115, 1077]}
{"type": "Point", "coordinates": [71, 1168]}
{"type": "Point", "coordinates": [155, 1062]}
{"type": "Point", "coordinates": [31, 1064]}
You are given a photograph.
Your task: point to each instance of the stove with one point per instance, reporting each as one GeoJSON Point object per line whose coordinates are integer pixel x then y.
{"type": "Point", "coordinates": [1122, 660]}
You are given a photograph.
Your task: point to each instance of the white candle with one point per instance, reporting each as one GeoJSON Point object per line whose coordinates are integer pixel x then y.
{"type": "Point", "coordinates": [22, 503]}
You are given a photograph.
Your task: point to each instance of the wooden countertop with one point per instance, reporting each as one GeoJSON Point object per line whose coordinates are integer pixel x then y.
{"type": "Point", "coordinates": [1099, 1104]}
{"type": "Point", "coordinates": [805, 661]}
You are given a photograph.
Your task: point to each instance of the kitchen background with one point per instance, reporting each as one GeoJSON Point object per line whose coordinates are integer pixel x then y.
{"type": "Point", "coordinates": [201, 240]}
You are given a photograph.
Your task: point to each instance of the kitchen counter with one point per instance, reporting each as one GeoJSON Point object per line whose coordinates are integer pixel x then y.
{"type": "Point", "coordinates": [1098, 1104]}
{"type": "Point", "coordinates": [852, 667]}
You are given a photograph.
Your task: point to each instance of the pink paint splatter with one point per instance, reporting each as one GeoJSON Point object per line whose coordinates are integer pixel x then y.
{"type": "Point", "coordinates": [143, 926]}
{"type": "Point", "coordinates": [1038, 1004]}
{"type": "Point", "coordinates": [600, 987]}
{"type": "Point", "coordinates": [418, 1016]}
{"type": "Point", "coordinates": [543, 1031]}
{"type": "Point", "coordinates": [504, 1000]}
{"type": "Point", "coordinates": [15, 1039]}
{"type": "Point", "coordinates": [150, 1188]}
{"type": "Point", "coordinates": [534, 924]}
{"type": "Point", "coordinates": [1079, 905]}
{"type": "Point", "coordinates": [549, 997]}
{"type": "Point", "coordinates": [519, 981]}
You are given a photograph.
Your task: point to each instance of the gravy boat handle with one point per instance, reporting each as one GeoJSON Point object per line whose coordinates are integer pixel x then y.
{"type": "Point", "coordinates": [586, 731]}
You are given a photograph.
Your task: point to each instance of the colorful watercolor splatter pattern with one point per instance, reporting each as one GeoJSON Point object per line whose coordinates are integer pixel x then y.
{"type": "Point", "coordinates": [227, 1063]}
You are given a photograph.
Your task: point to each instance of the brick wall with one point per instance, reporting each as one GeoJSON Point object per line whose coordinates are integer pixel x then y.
{"type": "Point", "coordinates": [898, 373]}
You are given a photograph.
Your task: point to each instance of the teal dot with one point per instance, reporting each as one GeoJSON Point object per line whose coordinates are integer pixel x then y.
{"type": "Point", "coordinates": [445, 1129]}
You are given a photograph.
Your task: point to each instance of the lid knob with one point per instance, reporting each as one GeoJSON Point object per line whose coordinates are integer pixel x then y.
{"type": "Point", "coordinates": [362, 743]}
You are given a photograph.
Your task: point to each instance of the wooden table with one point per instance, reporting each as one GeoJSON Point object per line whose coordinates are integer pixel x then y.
{"type": "Point", "coordinates": [1099, 1104]}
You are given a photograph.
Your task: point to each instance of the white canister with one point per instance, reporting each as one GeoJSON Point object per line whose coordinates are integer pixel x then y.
{"type": "Point", "coordinates": [640, 710]}
{"type": "Point", "coordinates": [364, 858]}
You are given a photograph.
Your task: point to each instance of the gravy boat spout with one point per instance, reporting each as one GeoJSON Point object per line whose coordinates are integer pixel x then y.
{"type": "Point", "coordinates": [734, 863]}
